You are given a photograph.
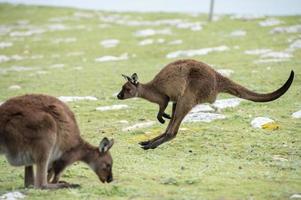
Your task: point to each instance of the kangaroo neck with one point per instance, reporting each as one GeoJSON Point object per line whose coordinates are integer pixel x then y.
{"type": "Point", "coordinates": [81, 152]}
{"type": "Point", "coordinates": [149, 92]}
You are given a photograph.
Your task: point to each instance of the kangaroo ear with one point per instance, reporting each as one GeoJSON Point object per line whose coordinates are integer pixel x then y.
{"type": "Point", "coordinates": [126, 77]}
{"type": "Point", "coordinates": [134, 78]}
{"type": "Point", "coordinates": [105, 145]}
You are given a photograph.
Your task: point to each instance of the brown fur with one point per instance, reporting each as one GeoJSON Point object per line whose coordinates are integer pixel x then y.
{"type": "Point", "coordinates": [41, 130]}
{"type": "Point", "coordinates": [187, 83]}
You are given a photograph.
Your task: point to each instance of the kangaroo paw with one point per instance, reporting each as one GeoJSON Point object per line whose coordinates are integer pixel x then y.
{"type": "Point", "coordinates": [161, 120]}
{"type": "Point", "coordinates": [167, 116]}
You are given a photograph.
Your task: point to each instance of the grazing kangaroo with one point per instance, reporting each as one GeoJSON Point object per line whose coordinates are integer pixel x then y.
{"type": "Point", "coordinates": [42, 130]}
{"type": "Point", "coordinates": [187, 83]}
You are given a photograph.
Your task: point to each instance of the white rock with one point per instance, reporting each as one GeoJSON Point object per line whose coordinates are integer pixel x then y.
{"type": "Point", "coordinates": [151, 41]}
{"type": "Point", "coordinates": [270, 22]}
{"type": "Point", "coordinates": [57, 66]}
{"type": "Point", "coordinates": [160, 40]}
{"type": "Point", "coordinates": [4, 29]}
{"type": "Point", "coordinates": [268, 56]}
{"type": "Point", "coordinates": [295, 45]}
{"type": "Point", "coordinates": [203, 117]}
{"type": "Point", "coordinates": [113, 107]}
{"type": "Point", "coordinates": [78, 68]}
{"type": "Point", "coordinates": [23, 22]}
{"type": "Point", "coordinates": [178, 23]}
{"type": "Point", "coordinates": [196, 52]}
{"type": "Point", "coordinates": [123, 121]}
{"type": "Point", "coordinates": [226, 103]}
{"type": "Point", "coordinates": [16, 57]}
{"type": "Point", "coordinates": [15, 68]}
{"type": "Point", "coordinates": [5, 45]}
{"type": "Point", "coordinates": [57, 27]}
{"type": "Point", "coordinates": [14, 87]}
{"type": "Point", "coordinates": [64, 40]}
{"type": "Point", "coordinates": [26, 33]}
{"type": "Point", "coordinates": [112, 58]}
{"type": "Point", "coordinates": [279, 158]}
{"type": "Point", "coordinates": [20, 68]}
{"type": "Point", "coordinates": [274, 54]}
{"type": "Point", "coordinates": [109, 43]}
{"type": "Point", "coordinates": [12, 196]}
{"type": "Point", "coordinates": [175, 42]}
{"type": "Point", "coordinates": [201, 108]}
{"type": "Point", "coordinates": [4, 58]}
{"type": "Point", "coordinates": [225, 72]}
{"type": "Point", "coordinates": [287, 29]}
{"type": "Point", "coordinates": [146, 42]}
{"type": "Point", "coordinates": [295, 196]}
{"type": "Point", "coordinates": [238, 33]}
{"type": "Point", "coordinates": [247, 17]}
{"type": "Point", "coordinates": [272, 60]}
{"type": "Point", "coordinates": [139, 126]}
{"type": "Point", "coordinates": [297, 114]}
{"type": "Point", "coordinates": [258, 122]}
{"type": "Point", "coordinates": [76, 98]}
{"type": "Point", "coordinates": [151, 32]}
{"type": "Point", "coordinates": [194, 26]}
{"type": "Point", "coordinates": [257, 51]}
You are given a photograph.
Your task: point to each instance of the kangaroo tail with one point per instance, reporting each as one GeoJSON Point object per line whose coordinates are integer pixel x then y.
{"type": "Point", "coordinates": [235, 89]}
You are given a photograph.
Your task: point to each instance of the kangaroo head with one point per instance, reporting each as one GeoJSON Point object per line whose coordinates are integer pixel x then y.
{"type": "Point", "coordinates": [101, 161]}
{"type": "Point", "coordinates": [130, 88]}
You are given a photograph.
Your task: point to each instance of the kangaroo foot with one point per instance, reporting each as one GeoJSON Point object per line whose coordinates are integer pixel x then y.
{"type": "Point", "coordinates": [60, 185]}
{"type": "Point", "coordinates": [157, 142]}
{"type": "Point", "coordinates": [143, 143]}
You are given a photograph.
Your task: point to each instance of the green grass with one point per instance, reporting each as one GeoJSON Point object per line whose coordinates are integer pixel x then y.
{"type": "Point", "coordinates": [225, 159]}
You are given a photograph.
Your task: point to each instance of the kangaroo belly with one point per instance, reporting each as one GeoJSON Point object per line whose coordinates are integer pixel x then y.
{"type": "Point", "coordinates": [20, 158]}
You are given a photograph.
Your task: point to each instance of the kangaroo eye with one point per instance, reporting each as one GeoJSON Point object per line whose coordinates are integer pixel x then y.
{"type": "Point", "coordinates": [127, 89]}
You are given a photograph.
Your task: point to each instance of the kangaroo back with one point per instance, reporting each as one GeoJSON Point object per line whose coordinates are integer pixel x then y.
{"type": "Point", "coordinates": [229, 86]}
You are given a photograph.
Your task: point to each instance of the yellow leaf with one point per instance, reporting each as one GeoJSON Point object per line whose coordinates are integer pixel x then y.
{"type": "Point", "coordinates": [270, 126]}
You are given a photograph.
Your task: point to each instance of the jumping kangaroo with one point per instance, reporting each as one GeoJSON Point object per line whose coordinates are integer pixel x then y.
{"type": "Point", "coordinates": [42, 130]}
{"type": "Point", "coordinates": [187, 83]}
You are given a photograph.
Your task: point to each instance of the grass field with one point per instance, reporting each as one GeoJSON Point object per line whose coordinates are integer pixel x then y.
{"type": "Point", "coordinates": [224, 159]}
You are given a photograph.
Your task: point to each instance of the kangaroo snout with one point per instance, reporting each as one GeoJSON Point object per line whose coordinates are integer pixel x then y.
{"type": "Point", "coordinates": [110, 178]}
{"type": "Point", "coordinates": [120, 96]}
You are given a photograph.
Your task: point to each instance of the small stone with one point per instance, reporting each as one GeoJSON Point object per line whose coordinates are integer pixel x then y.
{"type": "Point", "coordinates": [14, 87]}
{"type": "Point", "coordinates": [258, 122]}
{"type": "Point", "coordinates": [113, 107]}
{"type": "Point", "coordinates": [295, 196]}
{"type": "Point", "coordinates": [297, 115]}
